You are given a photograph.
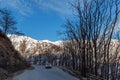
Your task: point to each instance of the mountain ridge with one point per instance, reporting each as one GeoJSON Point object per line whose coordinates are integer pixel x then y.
{"type": "Point", "coordinates": [28, 46]}
{"type": "Point", "coordinates": [35, 40]}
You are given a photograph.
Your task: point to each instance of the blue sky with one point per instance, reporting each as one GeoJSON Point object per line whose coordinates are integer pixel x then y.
{"type": "Point", "coordinates": [39, 19]}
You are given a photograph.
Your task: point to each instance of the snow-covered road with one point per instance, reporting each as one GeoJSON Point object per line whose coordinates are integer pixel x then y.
{"type": "Point", "coordinates": [40, 73]}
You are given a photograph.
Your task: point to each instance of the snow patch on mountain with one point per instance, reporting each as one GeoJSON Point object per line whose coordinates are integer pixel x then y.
{"type": "Point", "coordinates": [29, 46]}
{"type": "Point", "coordinates": [17, 38]}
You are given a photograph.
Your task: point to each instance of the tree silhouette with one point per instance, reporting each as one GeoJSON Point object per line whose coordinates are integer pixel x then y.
{"type": "Point", "coordinates": [8, 23]}
{"type": "Point", "coordinates": [90, 34]}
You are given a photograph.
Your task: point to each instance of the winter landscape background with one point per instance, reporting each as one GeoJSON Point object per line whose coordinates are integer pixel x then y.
{"type": "Point", "coordinates": [59, 39]}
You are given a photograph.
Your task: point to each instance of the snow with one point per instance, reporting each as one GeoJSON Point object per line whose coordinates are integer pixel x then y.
{"type": "Point", "coordinates": [16, 38]}
{"type": "Point", "coordinates": [40, 73]}
{"type": "Point", "coordinates": [58, 43]}
{"type": "Point", "coordinates": [46, 41]}
{"type": "Point", "coordinates": [21, 38]}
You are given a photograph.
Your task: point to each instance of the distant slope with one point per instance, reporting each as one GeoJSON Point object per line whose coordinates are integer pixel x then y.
{"type": "Point", "coordinates": [29, 47]}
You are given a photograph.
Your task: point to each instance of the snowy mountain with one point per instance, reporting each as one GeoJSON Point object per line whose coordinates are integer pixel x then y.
{"type": "Point", "coordinates": [29, 47]}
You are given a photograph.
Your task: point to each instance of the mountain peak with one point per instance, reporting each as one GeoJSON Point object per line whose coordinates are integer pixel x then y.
{"type": "Point", "coordinates": [14, 37]}
{"type": "Point", "coordinates": [28, 46]}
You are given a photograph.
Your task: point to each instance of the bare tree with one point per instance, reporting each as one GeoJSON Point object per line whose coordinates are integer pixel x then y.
{"type": "Point", "coordinates": [92, 30]}
{"type": "Point", "coordinates": [8, 23]}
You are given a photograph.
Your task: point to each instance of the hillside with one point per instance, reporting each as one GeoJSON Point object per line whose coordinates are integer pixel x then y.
{"type": "Point", "coordinates": [10, 60]}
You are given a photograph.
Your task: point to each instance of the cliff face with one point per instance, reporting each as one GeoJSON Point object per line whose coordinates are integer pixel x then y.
{"type": "Point", "coordinates": [10, 60]}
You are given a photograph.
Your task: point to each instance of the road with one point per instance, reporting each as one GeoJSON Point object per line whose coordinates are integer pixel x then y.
{"type": "Point", "coordinates": [40, 73]}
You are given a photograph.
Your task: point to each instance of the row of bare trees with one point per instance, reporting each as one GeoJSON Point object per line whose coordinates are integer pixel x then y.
{"type": "Point", "coordinates": [90, 37]}
{"type": "Point", "coordinates": [89, 47]}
